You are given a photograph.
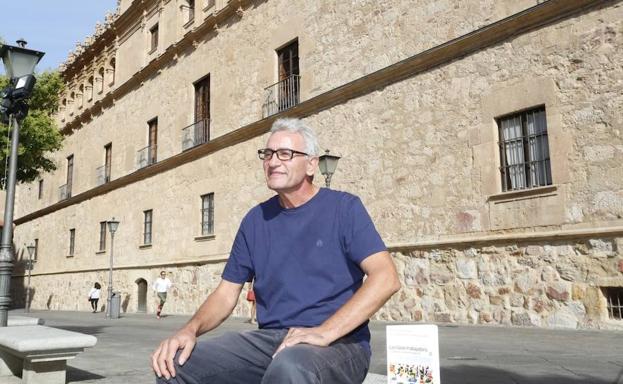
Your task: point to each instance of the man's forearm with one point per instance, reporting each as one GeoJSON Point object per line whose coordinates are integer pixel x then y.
{"type": "Point", "coordinates": [382, 282]}
{"type": "Point", "coordinates": [214, 310]}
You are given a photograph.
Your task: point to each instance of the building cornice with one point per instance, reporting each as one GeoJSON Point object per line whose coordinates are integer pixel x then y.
{"type": "Point", "coordinates": [517, 24]}
{"type": "Point", "coordinates": [127, 22]}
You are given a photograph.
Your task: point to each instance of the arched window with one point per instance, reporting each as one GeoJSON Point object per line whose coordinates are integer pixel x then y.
{"type": "Point", "coordinates": [100, 73]}
{"type": "Point", "coordinates": [90, 88]}
{"type": "Point", "coordinates": [81, 96]}
{"type": "Point", "coordinates": [111, 71]}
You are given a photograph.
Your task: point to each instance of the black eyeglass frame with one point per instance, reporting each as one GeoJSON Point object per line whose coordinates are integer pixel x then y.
{"type": "Point", "coordinates": [266, 154]}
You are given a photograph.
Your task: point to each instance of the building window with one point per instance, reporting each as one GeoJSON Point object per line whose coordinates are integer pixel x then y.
{"type": "Point", "coordinates": [147, 226]}
{"type": "Point", "coordinates": [153, 34]}
{"type": "Point", "coordinates": [102, 246]}
{"type": "Point", "coordinates": [524, 150]}
{"type": "Point", "coordinates": [614, 299]}
{"type": "Point", "coordinates": [107, 161]}
{"type": "Point", "coordinates": [36, 252]}
{"type": "Point", "coordinates": [112, 64]}
{"type": "Point", "coordinates": [65, 190]}
{"type": "Point", "coordinates": [188, 11]}
{"type": "Point", "coordinates": [286, 92]}
{"type": "Point", "coordinates": [207, 214]}
{"type": "Point", "coordinates": [152, 141]}
{"type": "Point", "coordinates": [40, 191]}
{"type": "Point", "coordinates": [202, 111]}
{"type": "Point", "coordinates": [101, 80]}
{"type": "Point", "coordinates": [72, 241]}
{"type": "Point", "coordinates": [90, 88]}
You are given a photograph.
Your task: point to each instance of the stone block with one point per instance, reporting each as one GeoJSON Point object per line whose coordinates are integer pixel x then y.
{"type": "Point", "coordinates": [466, 269]}
{"type": "Point", "coordinates": [567, 272]}
{"type": "Point", "coordinates": [416, 272]}
{"type": "Point", "coordinates": [473, 291]}
{"type": "Point", "coordinates": [443, 317]}
{"type": "Point", "coordinates": [549, 274]}
{"type": "Point", "coordinates": [525, 319]}
{"type": "Point", "coordinates": [562, 319]}
{"type": "Point", "coordinates": [558, 291]}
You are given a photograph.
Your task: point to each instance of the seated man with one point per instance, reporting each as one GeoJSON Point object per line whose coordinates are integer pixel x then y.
{"type": "Point", "coordinates": [307, 250]}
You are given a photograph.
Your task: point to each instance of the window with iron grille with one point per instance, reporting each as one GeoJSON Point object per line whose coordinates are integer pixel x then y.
{"type": "Point", "coordinates": [153, 35]}
{"type": "Point", "coordinates": [288, 69]}
{"type": "Point", "coordinates": [147, 226]}
{"type": "Point", "coordinates": [102, 246]}
{"type": "Point", "coordinates": [524, 150]}
{"type": "Point", "coordinates": [614, 300]}
{"type": "Point", "coordinates": [207, 214]}
{"type": "Point", "coordinates": [152, 141]}
{"type": "Point", "coordinates": [40, 193]}
{"type": "Point", "coordinates": [72, 241]}
{"type": "Point", "coordinates": [70, 174]}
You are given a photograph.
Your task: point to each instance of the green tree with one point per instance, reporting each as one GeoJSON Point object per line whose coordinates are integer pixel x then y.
{"type": "Point", "coordinates": [39, 136]}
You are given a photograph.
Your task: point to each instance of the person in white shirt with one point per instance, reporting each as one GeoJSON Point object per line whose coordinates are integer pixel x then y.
{"type": "Point", "coordinates": [161, 286]}
{"type": "Point", "coordinates": [94, 296]}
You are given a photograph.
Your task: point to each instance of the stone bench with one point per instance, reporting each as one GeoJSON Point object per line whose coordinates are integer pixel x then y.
{"type": "Point", "coordinates": [39, 354]}
{"type": "Point", "coordinates": [23, 320]}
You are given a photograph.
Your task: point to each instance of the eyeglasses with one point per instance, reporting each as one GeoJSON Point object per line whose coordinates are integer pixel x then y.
{"type": "Point", "coordinates": [283, 154]}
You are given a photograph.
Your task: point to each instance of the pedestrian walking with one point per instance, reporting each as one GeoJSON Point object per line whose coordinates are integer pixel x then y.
{"type": "Point", "coordinates": [94, 295]}
{"type": "Point", "coordinates": [161, 287]}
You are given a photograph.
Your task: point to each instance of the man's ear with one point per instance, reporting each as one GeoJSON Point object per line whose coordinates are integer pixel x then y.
{"type": "Point", "coordinates": [312, 165]}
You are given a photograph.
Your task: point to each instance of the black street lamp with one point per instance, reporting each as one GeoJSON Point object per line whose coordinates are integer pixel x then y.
{"type": "Point", "coordinates": [327, 164]}
{"type": "Point", "coordinates": [112, 228]}
{"type": "Point", "coordinates": [19, 64]}
{"type": "Point", "coordinates": [31, 251]}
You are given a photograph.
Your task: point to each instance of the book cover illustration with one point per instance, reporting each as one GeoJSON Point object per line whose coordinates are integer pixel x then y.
{"type": "Point", "coordinates": [413, 354]}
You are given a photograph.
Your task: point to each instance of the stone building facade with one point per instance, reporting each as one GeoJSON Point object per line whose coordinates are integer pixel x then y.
{"type": "Point", "coordinates": [484, 138]}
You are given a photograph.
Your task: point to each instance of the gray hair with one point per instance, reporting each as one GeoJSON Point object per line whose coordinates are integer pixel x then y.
{"type": "Point", "coordinates": [298, 126]}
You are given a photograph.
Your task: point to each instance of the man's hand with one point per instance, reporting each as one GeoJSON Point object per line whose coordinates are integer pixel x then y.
{"type": "Point", "coordinates": [312, 336]}
{"type": "Point", "coordinates": [162, 358]}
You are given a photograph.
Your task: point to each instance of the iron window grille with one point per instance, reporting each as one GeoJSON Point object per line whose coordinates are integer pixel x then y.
{"type": "Point", "coordinates": [524, 150]}
{"type": "Point", "coordinates": [147, 226]}
{"type": "Point", "coordinates": [102, 245]}
{"type": "Point", "coordinates": [207, 214]}
{"type": "Point", "coordinates": [614, 300]}
{"type": "Point", "coordinates": [72, 241]}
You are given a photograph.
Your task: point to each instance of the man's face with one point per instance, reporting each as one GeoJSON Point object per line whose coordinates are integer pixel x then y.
{"type": "Point", "coordinates": [163, 275]}
{"type": "Point", "coordinates": [287, 175]}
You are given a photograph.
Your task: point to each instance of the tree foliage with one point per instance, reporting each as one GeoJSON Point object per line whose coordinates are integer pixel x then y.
{"type": "Point", "coordinates": [39, 136]}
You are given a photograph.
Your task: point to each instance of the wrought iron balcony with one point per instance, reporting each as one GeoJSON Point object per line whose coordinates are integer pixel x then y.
{"type": "Point", "coordinates": [282, 95]}
{"type": "Point", "coordinates": [64, 192]}
{"type": "Point", "coordinates": [102, 175]}
{"type": "Point", "coordinates": [196, 134]}
{"type": "Point", "coordinates": [146, 156]}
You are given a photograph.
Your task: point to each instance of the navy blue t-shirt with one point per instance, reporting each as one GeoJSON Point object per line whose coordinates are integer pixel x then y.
{"type": "Point", "coordinates": [305, 260]}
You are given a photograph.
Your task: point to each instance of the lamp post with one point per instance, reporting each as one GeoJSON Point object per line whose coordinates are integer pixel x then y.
{"type": "Point", "coordinates": [112, 228]}
{"type": "Point", "coordinates": [327, 164]}
{"type": "Point", "coordinates": [31, 251]}
{"type": "Point", "coordinates": [19, 64]}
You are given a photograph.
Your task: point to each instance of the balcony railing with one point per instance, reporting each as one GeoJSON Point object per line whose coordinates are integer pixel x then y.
{"type": "Point", "coordinates": [282, 95]}
{"type": "Point", "coordinates": [146, 156]}
{"type": "Point", "coordinates": [64, 192]}
{"type": "Point", "coordinates": [102, 175]}
{"type": "Point", "coordinates": [196, 134]}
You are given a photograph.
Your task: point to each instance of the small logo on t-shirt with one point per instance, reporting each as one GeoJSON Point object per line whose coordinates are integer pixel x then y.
{"type": "Point", "coordinates": [319, 243]}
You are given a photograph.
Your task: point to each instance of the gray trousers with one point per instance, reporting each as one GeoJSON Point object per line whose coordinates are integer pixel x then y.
{"type": "Point", "coordinates": [246, 358]}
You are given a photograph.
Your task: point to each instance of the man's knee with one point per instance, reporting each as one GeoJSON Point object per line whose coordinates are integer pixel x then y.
{"type": "Point", "coordinates": [289, 366]}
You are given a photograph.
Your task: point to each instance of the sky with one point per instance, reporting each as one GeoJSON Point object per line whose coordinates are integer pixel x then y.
{"type": "Point", "coordinates": [51, 26]}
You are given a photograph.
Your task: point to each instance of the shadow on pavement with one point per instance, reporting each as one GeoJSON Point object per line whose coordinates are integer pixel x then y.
{"type": "Point", "coordinates": [90, 330]}
{"type": "Point", "coordinates": [465, 374]}
{"type": "Point", "coordinates": [76, 374]}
